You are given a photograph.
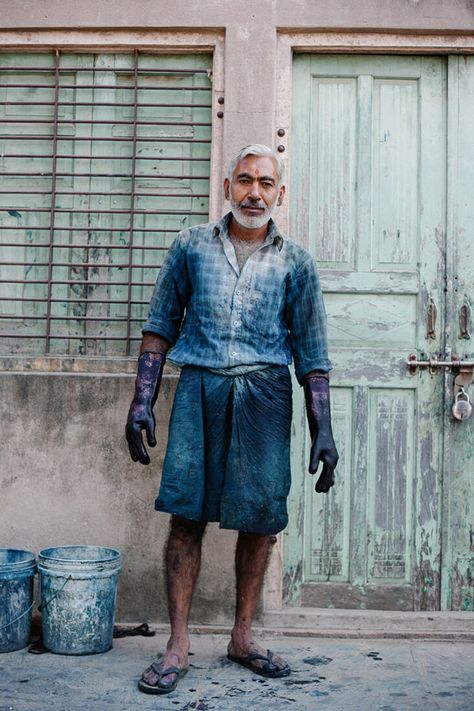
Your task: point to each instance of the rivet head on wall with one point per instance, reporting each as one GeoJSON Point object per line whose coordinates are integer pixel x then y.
{"type": "Point", "coordinates": [281, 148]}
{"type": "Point", "coordinates": [220, 100]}
{"type": "Point", "coordinates": [220, 114]}
{"type": "Point", "coordinates": [281, 132]}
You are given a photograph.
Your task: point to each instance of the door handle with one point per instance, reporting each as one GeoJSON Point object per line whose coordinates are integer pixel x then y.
{"type": "Point", "coordinates": [431, 315]}
{"type": "Point", "coordinates": [465, 321]}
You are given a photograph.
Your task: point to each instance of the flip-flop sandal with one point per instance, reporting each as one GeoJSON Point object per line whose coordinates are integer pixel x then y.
{"type": "Point", "coordinates": [161, 672]}
{"type": "Point", "coordinates": [269, 670]}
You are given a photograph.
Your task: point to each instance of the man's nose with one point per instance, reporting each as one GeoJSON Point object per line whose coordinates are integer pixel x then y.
{"type": "Point", "coordinates": [254, 193]}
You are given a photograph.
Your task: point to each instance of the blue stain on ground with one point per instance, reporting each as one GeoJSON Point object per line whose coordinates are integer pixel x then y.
{"type": "Point", "coordinates": [316, 661]}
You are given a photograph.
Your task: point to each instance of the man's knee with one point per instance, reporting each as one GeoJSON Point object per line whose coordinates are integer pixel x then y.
{"type": "Point", "coordinates": [186, 530]}
{"type": "Point", "coordinates": [259, 539]}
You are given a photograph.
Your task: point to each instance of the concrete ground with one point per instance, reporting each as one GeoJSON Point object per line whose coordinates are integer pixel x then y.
{"type": "Point", "coordinates": [343, 674]}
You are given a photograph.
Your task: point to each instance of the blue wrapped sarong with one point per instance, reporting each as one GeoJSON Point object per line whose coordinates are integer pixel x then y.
{"type": "Point", "coordinates": [228, 454]}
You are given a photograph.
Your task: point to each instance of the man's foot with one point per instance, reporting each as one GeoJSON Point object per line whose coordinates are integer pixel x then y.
{"type": "Point", "coordinates": [263, 662]}
{"type": "Point", "coordinates": [163, 676]}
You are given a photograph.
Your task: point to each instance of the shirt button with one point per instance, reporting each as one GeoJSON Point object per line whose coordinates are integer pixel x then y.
{"type": "Point", "coordinates": [237, 292]}
{"type": "Point", "coordinates": [236, 323]}
{"type": "Point", "coordinates": [233, 353]}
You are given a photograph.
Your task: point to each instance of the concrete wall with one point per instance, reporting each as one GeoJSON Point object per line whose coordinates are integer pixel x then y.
{"type": "Point", "coordinates": [65, 473]}
{"type": "Point", "coordinates": [67, 478]}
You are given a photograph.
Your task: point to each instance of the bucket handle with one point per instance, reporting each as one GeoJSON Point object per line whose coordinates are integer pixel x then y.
{"type": "Point", "coordinates": [40, 607]}
{"type": "Point", "coordinates": [15, 619]}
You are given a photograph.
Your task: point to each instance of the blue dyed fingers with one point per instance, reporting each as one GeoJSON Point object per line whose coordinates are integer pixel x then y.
{"type": "Point", "coordinates": [140, 415]}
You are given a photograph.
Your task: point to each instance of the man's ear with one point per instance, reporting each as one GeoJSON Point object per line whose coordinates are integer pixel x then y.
{"type": "Point", "coordinates": [227, 189]}
{"type": "Point", "coordinates": [281, 195]}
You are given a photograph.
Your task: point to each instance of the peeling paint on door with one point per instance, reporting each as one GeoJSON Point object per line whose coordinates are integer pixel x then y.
{"type": "Point", "coordinates": [368, 200]}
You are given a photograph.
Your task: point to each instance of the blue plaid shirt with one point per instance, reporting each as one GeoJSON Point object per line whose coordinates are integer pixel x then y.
{"type": "Point", "coordinates": [215, 316]}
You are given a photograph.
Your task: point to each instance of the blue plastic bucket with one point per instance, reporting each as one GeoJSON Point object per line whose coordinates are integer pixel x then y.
{"type": "Point", "coordinates": [17, 570]}
{"type": "Point", "coordinates": [78, 586]}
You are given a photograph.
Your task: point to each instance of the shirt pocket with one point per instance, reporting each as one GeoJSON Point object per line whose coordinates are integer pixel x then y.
{"type": "Point", "coordinates": [263, 308]}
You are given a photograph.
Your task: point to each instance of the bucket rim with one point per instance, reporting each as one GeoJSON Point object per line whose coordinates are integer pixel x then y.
{"type": "Point", "coordinates": [26, 562]}
{"type": "Point", "coordinates": [17, 550]}
{"type": "Point", "coordinates": [113, 554]}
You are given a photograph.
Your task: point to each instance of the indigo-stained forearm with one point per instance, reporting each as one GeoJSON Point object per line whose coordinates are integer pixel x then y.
{"type": "Point", "coordinates": [318, 410]}
{"type": "Point", "coordinates": [140, 414]}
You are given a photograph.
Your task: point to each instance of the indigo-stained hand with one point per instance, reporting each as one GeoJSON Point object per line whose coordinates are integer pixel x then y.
{"type": "Point", "coordinates": [323, 449]}
{"type": "Point", "coordinates": [140, 416]}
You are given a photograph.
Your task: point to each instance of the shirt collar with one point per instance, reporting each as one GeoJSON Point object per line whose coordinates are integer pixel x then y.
{"type": "Point", "coordinates": [274, 235]}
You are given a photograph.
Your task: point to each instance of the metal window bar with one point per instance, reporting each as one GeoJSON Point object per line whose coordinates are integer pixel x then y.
{"type": "Point", "coordinates": [149, 71]}
{"type": "Point", "coordinates": [94, 185]}
{"type": "Point", "coordinates": [132, 198]}
{"type": "Point", "coordinates": [52, 213]}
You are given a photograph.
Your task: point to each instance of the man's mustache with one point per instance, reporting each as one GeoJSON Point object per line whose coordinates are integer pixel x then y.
{"type": "Point", "coordinates": [255, 204]}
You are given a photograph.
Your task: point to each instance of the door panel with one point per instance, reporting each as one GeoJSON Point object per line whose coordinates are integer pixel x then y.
{"type": "Point", "coordinates": [368, 201]}
{"type": "Point", "coordinates": [458, 510]}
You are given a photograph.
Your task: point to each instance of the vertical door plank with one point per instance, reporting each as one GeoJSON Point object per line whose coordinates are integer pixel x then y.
{"type": "Point", "coordinates": [458, 484]}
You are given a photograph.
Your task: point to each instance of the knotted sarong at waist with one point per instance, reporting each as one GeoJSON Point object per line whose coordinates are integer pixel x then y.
{"type": "Point", "coordinates": [228, 454]}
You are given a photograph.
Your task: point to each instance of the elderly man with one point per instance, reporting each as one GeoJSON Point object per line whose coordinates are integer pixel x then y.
{"type": "Point", "coordinates": [236, 301]}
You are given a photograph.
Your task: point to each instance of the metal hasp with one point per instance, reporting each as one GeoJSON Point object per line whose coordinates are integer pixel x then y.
{"type": "Point", "coordinates": [464, 369]}
{"type": "Point", "coordinates": [462, 408]}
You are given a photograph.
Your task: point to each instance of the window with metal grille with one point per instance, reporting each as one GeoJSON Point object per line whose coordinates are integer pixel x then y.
{"type": "Point", "coordinates": [103, 159]}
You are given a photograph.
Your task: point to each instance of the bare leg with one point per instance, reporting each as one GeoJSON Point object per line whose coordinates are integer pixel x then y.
{"type": "Point", "coordinates": [183, 561]}
{"type": "Point", "coordinates": [251, 557]}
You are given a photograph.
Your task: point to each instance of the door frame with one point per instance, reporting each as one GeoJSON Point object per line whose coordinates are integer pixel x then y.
{"type": "Point", "coordinates": [341, 42]}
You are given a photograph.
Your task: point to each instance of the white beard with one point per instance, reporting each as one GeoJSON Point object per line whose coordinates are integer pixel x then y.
{"type": "Point", "coordinates": [252, 222]}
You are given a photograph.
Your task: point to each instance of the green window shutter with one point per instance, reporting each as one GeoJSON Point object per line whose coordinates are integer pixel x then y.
{"type": "Point", "coordinates": [105, 157]}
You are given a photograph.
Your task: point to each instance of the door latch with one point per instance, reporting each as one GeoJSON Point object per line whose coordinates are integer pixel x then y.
{"type": "Point", "coordinates": [463, 369]}
{"type": "Point", "coordinates": [434, 365]}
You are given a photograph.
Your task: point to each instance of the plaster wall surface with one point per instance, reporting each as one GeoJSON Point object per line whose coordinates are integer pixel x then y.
{"type": "Point", "coordinates": [66, 478]}
{"type": "Point", "coordinates": [382, 14]}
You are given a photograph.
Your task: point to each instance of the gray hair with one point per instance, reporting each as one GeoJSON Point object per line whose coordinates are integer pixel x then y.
{"type": "Point", "coordinates": [257, 149]}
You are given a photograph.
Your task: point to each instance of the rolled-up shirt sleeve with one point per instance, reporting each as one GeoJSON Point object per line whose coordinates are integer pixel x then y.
{"type": "Point", "coordinates": [306, 319]}
{"type": "Point", "coordinates": [171, 293]}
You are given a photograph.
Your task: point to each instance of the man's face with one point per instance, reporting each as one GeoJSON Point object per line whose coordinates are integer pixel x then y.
{"type": "Point", "coordinates": [253, 191]}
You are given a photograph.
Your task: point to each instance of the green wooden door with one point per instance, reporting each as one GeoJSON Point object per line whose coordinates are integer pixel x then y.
{"type": "Point", "coordinates": [368, 199]}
